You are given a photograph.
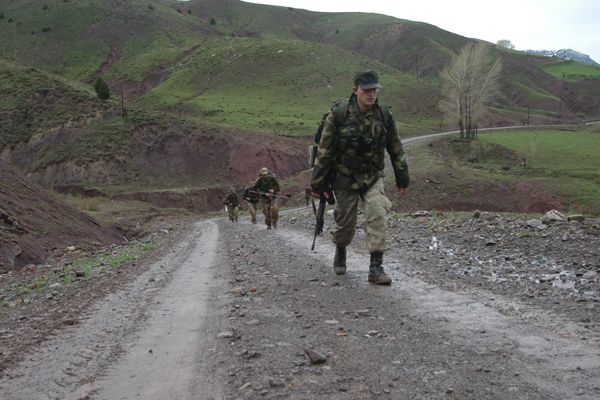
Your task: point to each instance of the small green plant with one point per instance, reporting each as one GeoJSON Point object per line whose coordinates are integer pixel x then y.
{"type": "Point", "coordinates": [68, 275]}
{"type": "Point", "coordinates": [525, 234]}
{"type": "Point", "coordinates": [213, 21]}
{"type": "Point", "coordinates": [22, 291]}
{"type": "Point", "coordinates": [40, 283]}
{"type": "Point", "coordinates": [101, 88]}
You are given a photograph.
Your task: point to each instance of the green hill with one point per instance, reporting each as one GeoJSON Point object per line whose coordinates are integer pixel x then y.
{"type": "Point", "coordinates": [224, 69]}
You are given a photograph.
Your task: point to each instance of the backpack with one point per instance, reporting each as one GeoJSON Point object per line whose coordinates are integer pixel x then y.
{"type": "Point", "coordinates": [340, 108]}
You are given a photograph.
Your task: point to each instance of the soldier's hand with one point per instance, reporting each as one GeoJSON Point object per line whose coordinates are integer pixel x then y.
{"type": "Point", "coordinates": [402, 191]}
{"type": "Point", "coordinates": [317, 195]}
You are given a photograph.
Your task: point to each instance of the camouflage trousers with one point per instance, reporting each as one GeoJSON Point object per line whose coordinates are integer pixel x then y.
{"type": "Point", "coordinates": [376, 207]}
{"type": "Point", "coordinates": [270, 211]}
{"type": "Point", "coordinates": [233, 212]}
{"type": "Point", "coordinates": [252, 211]}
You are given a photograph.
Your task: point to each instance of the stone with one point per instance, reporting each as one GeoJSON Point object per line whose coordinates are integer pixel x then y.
{"type": "Point", "coordinates": [225, 335]}
{"type": "Point", "coordinates": [315, 357]}
{"type": "Point", "coordinates": [536, 223]}
{"type": "Point", "coordinates": [421, 213]}
{"type": "Point", "coordinates": [590, 275]}
{"type": "Point", "coordinates": [576, 217]}
{"type": "Point", "coordinates": [553, 216]}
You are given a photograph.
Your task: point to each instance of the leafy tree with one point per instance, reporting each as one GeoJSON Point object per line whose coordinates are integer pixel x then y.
{"type": "Point", "coordinates": [102, 89]}
{"type": "Point", "coordinates": [469, 83]}
{"type": "Point", "coordinates": [505, 44]}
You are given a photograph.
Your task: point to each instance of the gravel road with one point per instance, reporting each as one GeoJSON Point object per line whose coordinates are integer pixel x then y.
{"type": "Point", "coordinates": [480, 308]}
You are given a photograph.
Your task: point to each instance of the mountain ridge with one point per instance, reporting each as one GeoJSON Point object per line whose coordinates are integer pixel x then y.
{"type": "Point", "coordinates": [566, 54]}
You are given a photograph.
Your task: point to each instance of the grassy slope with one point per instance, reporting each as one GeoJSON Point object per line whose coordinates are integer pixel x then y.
{"type": "Point", "coordinates": [280, 86]}
{"type": "Point", "coordinates": [572, 70]}
{"type": "Point", "coordinates": [565, 161]}
{"type": "Point", "coordinates": [144, 39]}
{"type": "Point", "coordinates": [62, 120]}
{"type": "Point", "coordinates": [74, 38]}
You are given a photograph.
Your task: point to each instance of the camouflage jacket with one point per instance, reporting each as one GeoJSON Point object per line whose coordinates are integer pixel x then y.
{"type": "Point", "coordinates": [230, 199]}
{"type": "Point", "coordinates": [264, 183]}
{"type": "Point", "coordinates": [352, 155]}
{"type": "Point", "coordinates": [250, 197]}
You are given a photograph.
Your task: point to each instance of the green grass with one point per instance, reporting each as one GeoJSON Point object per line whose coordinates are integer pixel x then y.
{"type": "Point", "coordinates": [535, 96]}
{"type": "Point", "coordinates": [566, 161]}
{"type": "Point", "coordinates": [268, 86]}
{"type": "Point", "coordinates": [86, 267]}
{"type": "Point", "coordinates": [572, 70]}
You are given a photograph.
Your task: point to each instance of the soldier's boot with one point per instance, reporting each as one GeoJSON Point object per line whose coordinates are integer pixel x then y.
{"type": "Point", "coordinates": [254, 220]}
{"type": "Point", "coordinates": [274, 224]}
{"type": "Point", "coordinates": [339, 261]}
{"type": "Point", "coordinates": [376, 274]}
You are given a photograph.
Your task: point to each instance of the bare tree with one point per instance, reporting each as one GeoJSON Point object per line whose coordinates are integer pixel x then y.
{"type": "Point", "coordinates": [505, 43]}
{"type": "Point", "coordinates": [469, 84]}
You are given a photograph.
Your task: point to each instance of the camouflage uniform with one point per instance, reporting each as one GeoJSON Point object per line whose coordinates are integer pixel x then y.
{"type": "Point", "coordinates": [231, 201]}
{"type": "Point", "coordinates": [351, 157]}
{"type": "Point", "coordinates": [307, 195]}
{"type": "Point", "coordinates": [252, 200]}
{"type": "Point", "coordinates": [264, 183]}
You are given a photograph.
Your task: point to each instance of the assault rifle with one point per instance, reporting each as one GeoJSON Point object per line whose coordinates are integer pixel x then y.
{"type": "Point", "coordinates": [320, 214]}
{"type": "Point", "coordinates": [267, 194]}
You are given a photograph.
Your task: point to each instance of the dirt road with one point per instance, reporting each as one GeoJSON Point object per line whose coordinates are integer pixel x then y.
{"type": "Point", "coordinates": [234, 310]}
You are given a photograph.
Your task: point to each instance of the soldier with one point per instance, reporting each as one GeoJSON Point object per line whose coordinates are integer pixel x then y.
{"type": "Point", "coordinates": [252, 199]}
{"type": "Point", "coordinates": [307, 195]}
{"type": "Point", "coordinates": [233, 207]}
{"type": "Point", "coordinates": [351, 159]}
{"type": "Point", "coordinates": [268, 186]}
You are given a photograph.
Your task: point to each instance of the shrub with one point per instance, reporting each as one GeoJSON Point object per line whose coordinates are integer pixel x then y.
{"type": "Point", "coordinates": [102, 89]}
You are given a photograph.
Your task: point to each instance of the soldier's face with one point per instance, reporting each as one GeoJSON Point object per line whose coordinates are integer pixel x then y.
{"type": "Point", "coordinates": [365, 97]}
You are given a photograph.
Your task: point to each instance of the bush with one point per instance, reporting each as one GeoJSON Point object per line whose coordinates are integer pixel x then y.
{"type": "Point", "coordinates": [102, 89]}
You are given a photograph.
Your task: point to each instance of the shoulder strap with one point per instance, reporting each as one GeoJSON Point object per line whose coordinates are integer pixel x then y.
{"type": "Point", "coordinates": [340, 109]}
{"type": "Point", "coordinates": [386, 114]}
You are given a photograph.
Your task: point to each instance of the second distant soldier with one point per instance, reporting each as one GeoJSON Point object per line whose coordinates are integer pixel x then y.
{"type": "Point", "coordinates": [233, 206]}
{"type": "Point", "coordinates": [251, 198]}
{"type": "Point", "coordinates": [267, 184]}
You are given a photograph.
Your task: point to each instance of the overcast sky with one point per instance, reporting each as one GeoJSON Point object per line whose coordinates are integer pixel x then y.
{"type": "Point", "coordinates": [528, 24]}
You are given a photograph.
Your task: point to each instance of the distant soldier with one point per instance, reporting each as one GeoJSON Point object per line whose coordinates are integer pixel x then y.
{"type": "Point", "coordinates": [307, 195]}
{"type": "Point", "coordinates": [251, 198]}
{"type": "Point", "coordinates": [233, 207]}
{"type": "Point", "coordinates": [268, 186]}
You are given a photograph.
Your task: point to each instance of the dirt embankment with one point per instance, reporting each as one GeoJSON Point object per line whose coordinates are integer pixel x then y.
{"type": "Point", "coordinates": [33, 223]}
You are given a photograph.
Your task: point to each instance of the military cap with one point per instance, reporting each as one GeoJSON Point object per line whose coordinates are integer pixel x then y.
{"type": "Point", "coordinates": [367, 80]}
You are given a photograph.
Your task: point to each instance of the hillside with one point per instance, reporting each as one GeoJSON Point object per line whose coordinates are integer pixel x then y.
{"type": "Point", "coordinates": [61, 134]}
{"type": "Point", "coordinates": [174, 56]}
{"type": "Point", "coordinates": [35, 224]}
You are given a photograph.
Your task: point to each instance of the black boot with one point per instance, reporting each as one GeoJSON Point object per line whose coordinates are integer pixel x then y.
{"type": "Point", "coordinates": [376, 274]}
{"type": "Point", "coordinates": [339, 261]}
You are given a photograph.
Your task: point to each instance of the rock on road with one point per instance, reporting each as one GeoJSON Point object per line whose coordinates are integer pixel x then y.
{"type": "Point", "coordinates": [242, 312]}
